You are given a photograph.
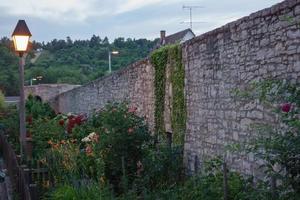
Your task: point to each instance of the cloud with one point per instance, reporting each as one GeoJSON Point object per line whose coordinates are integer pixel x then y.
{"type": "Point", "coordinates": [64, 10]}
{"type": "Point", "coordinates": [74, 10]}
{"type": "Point", "coordinates": [131, 5]}
{"type": "Point", "coordinates": [80, 19]}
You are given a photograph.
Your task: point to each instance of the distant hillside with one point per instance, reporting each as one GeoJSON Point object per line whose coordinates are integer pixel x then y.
{"type": "Point", "coordinates": [67, 61]}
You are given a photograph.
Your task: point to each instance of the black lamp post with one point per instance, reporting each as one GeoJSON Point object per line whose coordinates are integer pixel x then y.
{"type": "Point", "coordinates": [21, 37]}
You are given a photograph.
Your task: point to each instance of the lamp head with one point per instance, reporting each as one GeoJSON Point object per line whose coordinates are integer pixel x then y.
{"type": "Point", "coordinates": [21, 37]}
{"type": "Point", "coordinates": [115, 52]}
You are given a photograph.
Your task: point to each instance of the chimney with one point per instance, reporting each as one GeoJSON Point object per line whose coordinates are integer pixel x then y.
{"type": "Point", "coordinates": [162, 37]}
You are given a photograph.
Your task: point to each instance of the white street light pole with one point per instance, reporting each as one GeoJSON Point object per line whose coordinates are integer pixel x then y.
{"type": "Point", "coordinates": [109, 62]}
{"type": "Point", "coordinates": [32, 79]}
{"type": "Point", "coordinates": [109, 59]}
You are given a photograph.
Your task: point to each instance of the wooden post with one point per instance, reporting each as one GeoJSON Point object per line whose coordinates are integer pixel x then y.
{"type": "Point", "coordinates": [33, 191]}
{"type": "Point", "coordinates": [124, 182]}
{"type": "Point", "coordinates": [38, 172]}
{"type": "Point", "coordinates": [27, 174]}
{"type": "Point", "coordinates": [29, 147]}
{"type": "Point", "coordinates": [169, 139]}
{"type": "Point", "coordinates": [273, 187]}
{"type": "Point", "coordinates": [196, 164]}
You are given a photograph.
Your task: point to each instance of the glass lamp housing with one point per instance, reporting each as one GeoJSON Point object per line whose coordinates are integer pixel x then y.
{"type": "Point", "coordinates": [20, 42]}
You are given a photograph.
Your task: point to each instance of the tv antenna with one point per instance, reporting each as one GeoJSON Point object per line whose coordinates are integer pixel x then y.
{"type": "Point", "coordinates": [190, 8]}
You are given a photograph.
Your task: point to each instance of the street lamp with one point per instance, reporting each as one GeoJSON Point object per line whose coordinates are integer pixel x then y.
{"type": "Point", "coordinates": [38, 78]}
{"type": "Point", "coordinates": [31, 80]}
{"type": "Point", "coordinates": [109, 58]}
{"type": "Point", "coordinates": [21, 37]}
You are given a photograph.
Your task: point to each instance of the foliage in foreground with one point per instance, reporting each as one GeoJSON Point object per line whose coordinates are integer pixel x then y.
{"type": "Point", "coordinates": [278, 144]}
{"type": "Point", "coordinates": [2, 101]}
{"type": "Point", "coordinates": [112, 155]}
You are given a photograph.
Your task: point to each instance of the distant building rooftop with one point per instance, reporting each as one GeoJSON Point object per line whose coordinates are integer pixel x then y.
{"type": "Point", "coordinates": [178, 37]}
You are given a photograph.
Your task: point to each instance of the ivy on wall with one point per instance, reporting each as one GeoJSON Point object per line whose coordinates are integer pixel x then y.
{"type": "Point", "coordinates": [159, 60]}
{"type": "Point", "coordinates": [178, 113]}
{"type": "Point", "coordinates": [171, 55]}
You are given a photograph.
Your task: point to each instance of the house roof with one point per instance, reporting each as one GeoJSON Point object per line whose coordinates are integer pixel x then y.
{"type": "Point", "coordinates": [171, 39]}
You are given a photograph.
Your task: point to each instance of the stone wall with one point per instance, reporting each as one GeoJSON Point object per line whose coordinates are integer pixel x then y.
{"type": "Point", "coordinates": [133, 84]}
{"type": "Point", "coordinates": [264, 45]}
{"type": "Point", "coordinates": [48, 91]}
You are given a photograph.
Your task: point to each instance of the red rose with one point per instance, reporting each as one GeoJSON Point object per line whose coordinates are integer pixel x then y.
{"type": "Point", "coordinates": [78, 119]}
{"type": "Point", "coordinates": [286, 107]}
{"type": "Point", "coordinates": [71, 124]}
{"type": "Point", "coordinates": [61, 122]}
{"type": "Point", "coordinates": [70, 116]}
{"type": "Point", "coordinates": [29, 119]}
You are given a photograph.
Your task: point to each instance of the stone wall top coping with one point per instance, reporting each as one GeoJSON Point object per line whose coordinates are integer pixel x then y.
{"type": "Point", "coordinates": [259, 14]}
{"type": "Point", "coordinates": [115, 73]}
{"type": "Point", "coordinates": [51, 85]}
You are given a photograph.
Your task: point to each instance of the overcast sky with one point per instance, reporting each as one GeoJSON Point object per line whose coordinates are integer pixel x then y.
{"type": "Point", "coordinates": [80, 19]}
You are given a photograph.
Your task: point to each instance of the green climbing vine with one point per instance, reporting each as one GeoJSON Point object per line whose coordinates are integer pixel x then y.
{"type": "Point", "coordinates": [178, 113]}
{"type": "Point", "coordinates": [160, 58]}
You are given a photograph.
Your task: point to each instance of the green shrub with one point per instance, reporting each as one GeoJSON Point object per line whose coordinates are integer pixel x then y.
{"type": "Point", "coordinates": [9, 122]}
{"type": "Point", "coordinates": [107, 148]}
{"type": "Point", "coordinates": [123, 140]}
{"type": "Point", "coordinates": [35, 108]}
{"type": "Point", "coordinates": [162, 167]}
{"type": "Point", "coordinates": [2, 101]}
{"type": "Point", "coordinates": [91, 191]}
{"type": "Point", "coordinates": [278, 147]}
{"type": "Point", "coordinates": [43, 131]}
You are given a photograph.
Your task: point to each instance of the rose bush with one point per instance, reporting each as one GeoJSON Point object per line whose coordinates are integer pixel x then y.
{"type": "Point", "coordinates": [278, 145]}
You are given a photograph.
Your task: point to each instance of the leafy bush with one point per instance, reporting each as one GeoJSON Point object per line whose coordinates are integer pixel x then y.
{"type": "Point", "coordinates": [208, 185]}
{"type": "Point", "coordinates": [279, 147]}
{"type": "Point", "coordinates": [162, 167]}
{"type": "Point", "coordinates": [2, 101]}
{"type": "Point", "coordinates": [43, 131]}
{"type": "Point", "coordinates": [123, 140]}
{"type": "Point", "coordinates": [70, 192]}
{"type": "Point", "coordinates": [108, 148]}
{"type": "Point", "coordinates": [35, 108]}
